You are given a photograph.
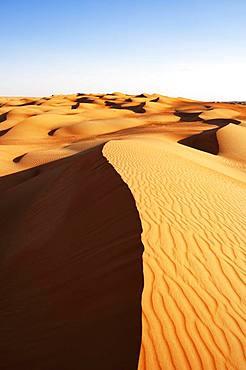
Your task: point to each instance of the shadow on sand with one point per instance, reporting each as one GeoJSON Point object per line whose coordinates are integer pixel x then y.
{"type": "Point", "coordinates": [71, 274]}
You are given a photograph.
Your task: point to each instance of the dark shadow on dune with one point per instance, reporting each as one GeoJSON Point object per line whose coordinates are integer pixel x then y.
{"type": "Point", "coordinates": [128, 100]}
{"type": "Point", "coordinates": [70, 269]}
{"type": "Point", "coordinates": [221, 122]}
{"type": "Point", "coordinates": [75, 106]}
{"type": "Point", "coordinates": [40, 102]}
{"type": "Point", "coordinates": [52, 132]}
{"type": "Point", "coordinates": [137, 108]}
{"type": "Point", "coordinates": [3, 132]}
{"type": "Point", "coordinates": [140, 96]}
{"type": "Point", "coordinates": [134, 108]}
{"type": "Point", "coordinates": [155, 100]}
{"type": "Point", "coordinates": [188, 116]}
{"type": "Point", "coordinates": [3, 117]}
{"type": "Point", "coordinates": [19, 158]}
{"type": "Point", "coordinates": [205, 141]}
{"type": "Point", "coordinates": [85, 99]}
{"type": "Point", "coordinates": [112, 104]}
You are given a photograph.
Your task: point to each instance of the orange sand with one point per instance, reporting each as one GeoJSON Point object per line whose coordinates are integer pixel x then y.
{"type": "Point", "coordinates": [191, 204]}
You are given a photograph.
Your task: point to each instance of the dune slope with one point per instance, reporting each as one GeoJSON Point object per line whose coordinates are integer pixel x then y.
{"type": "Point", "coordinates": [194, 237]}
{"type": "Point", "coordinates": [70, 268]}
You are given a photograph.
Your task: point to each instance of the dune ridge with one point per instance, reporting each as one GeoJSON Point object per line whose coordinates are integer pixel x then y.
{"type": "Point", "coordinates": [70, 268]}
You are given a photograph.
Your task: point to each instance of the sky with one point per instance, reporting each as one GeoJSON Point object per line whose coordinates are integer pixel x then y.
{"type": "Point", "coordinates": [189, 48]}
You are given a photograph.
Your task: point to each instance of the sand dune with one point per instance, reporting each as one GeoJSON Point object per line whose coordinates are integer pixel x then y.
{"type": "Point", "coordinates": [232, 142]}
{"type": "Point", "coordinates": [70, 288]}
{"type": "Point", "coordinates": [89, 181]}
{"type": "Point", "coordinates": [221, 113]}
{"type": "Point", "coordinates": [193, 315]}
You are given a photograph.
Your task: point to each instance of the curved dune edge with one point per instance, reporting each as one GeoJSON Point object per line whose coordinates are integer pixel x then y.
{"type": "Point", "coordinates": [194, 239]}
{"type": "Point", "coordinates": [71, 267]}
{"type": "Point", "coordinates": [205, 141]}
{"type": "Point", "coordinates": [232, 142]}
{"type": "Point", "coordinates": [228, 141]}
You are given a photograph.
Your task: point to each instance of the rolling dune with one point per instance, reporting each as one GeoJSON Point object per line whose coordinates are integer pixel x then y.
{"type": "Point", "coordinates": [232, 142]}
{"type": "Point", "coordinates": [123, 238]}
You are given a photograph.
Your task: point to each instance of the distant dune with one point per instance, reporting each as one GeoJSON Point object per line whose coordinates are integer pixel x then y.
{"type": "Point", "coordinates": [123, 237]}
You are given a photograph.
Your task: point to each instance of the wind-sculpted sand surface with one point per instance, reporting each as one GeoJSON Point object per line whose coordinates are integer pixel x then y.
{"type": "Point", "coordinates": [129, 254]}
{"type": "Point", "coordinates": [194, 238]}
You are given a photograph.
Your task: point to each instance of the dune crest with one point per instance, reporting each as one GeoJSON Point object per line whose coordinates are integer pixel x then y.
{"type": "Point", "coordinates": [70, 288]}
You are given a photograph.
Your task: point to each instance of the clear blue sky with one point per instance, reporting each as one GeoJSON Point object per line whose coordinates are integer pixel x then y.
{"type": "Point", "coordinates": [189, 48]}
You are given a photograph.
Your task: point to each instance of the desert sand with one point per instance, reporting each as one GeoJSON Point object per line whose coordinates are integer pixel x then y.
{"type": "Point", "coordinates": [123, 237]}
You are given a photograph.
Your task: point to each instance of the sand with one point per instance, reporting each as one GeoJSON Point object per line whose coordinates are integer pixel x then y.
{"type": "Point", "coordinates": [130, 252]}
{"type": "Point", "coordinates": [67, 256]}
{"type": "Point", "coordinates": [194, 237]}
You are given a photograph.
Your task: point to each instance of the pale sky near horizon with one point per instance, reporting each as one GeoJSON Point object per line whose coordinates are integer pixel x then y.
{"type": "Point", "coordinates": [193, 49]}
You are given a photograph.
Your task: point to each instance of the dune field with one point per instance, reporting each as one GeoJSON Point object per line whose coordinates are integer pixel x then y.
{"type": "Point", "coordinates": [123, 233]}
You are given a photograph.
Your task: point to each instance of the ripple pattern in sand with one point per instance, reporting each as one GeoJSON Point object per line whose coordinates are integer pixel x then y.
{"type": "Point", "coordinates": [193, 218]}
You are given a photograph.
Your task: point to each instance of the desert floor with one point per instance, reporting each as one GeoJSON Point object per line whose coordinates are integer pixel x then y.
{"type": "Point", "coordinates": [123, 233]}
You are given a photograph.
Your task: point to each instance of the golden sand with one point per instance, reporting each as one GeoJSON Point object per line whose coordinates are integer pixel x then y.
{"type": "Point", "coordinates": [191, 201]}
